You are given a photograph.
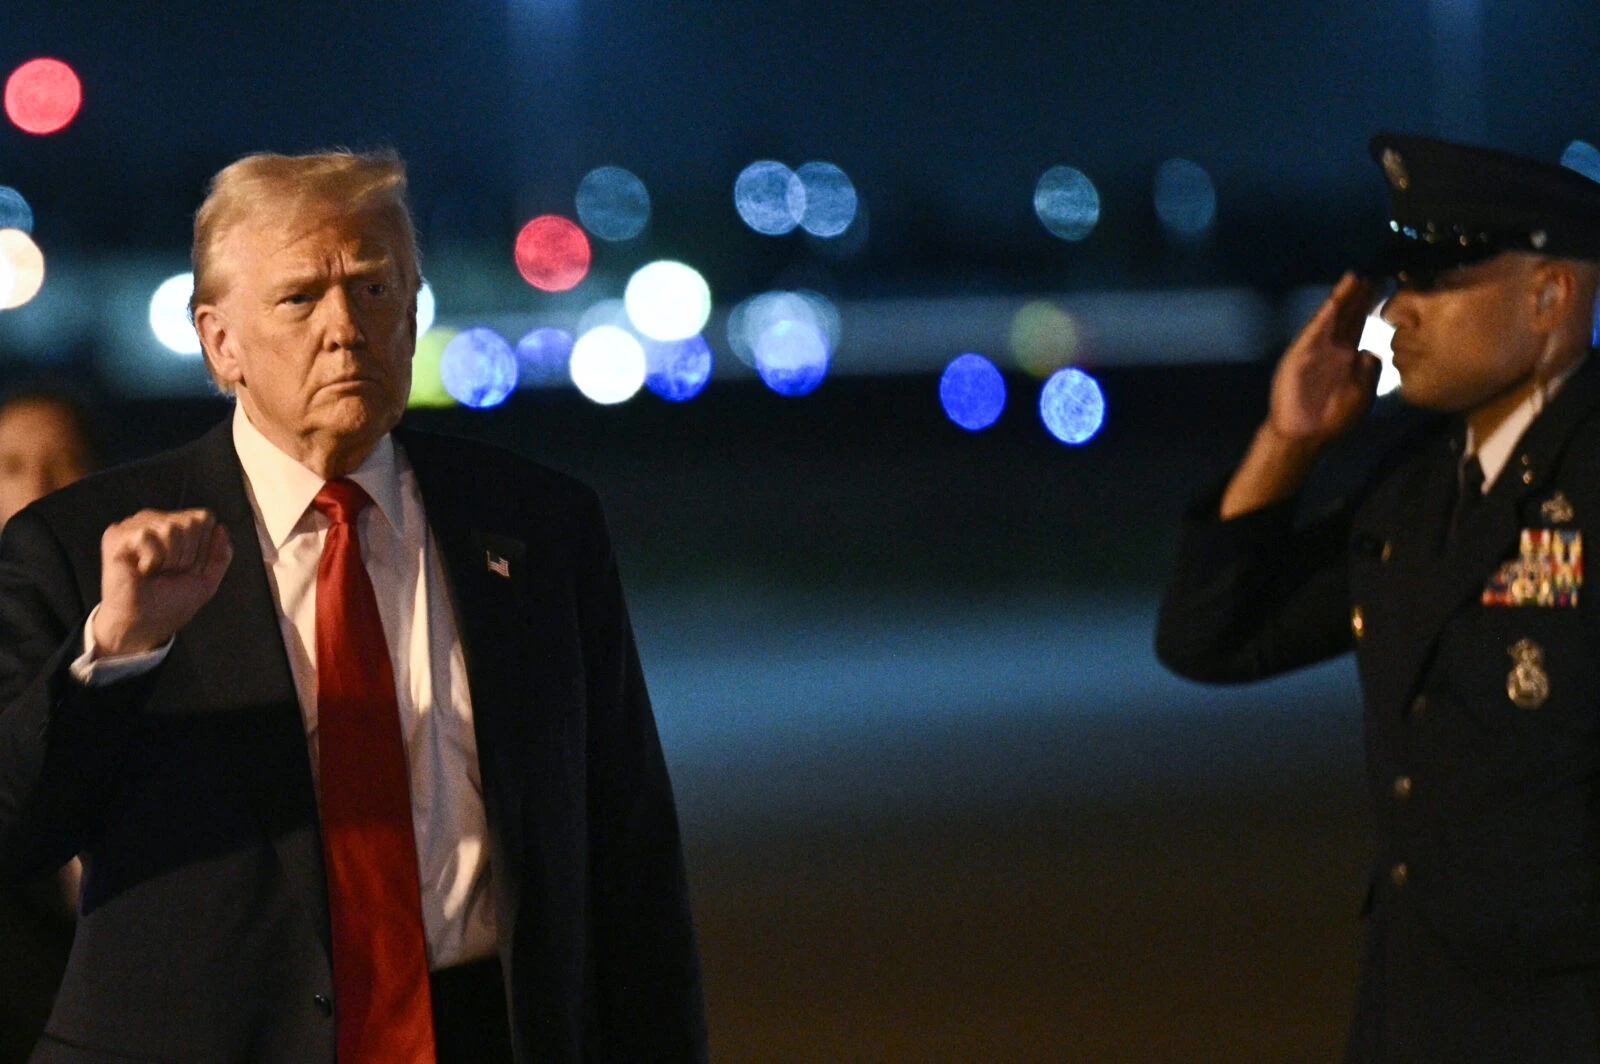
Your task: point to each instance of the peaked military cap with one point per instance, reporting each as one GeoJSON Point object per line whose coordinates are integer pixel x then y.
{"type": "Point", "coordinates": [1453, 204]}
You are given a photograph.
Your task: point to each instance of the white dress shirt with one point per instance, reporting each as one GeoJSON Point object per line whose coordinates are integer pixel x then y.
{"type": "Point", "coordinates": [430, 676]}
{"type": "Point", "coordinates": [1495, 449]}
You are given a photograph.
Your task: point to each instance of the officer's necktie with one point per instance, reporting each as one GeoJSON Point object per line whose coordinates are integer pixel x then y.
{"type": "Point", "coordinates": [1469, 492]}
{"type": "Point", "coordinates": [382, 1010]}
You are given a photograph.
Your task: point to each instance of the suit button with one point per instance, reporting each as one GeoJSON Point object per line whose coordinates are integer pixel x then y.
{"type": "Point", "coordinates": [1402, 787]}
{"type": "Point", "coordinates": [324, 1005]}
{"type": "Point", "coordinates": [1358, 622]}
{"type": "Point", "coordinates": [1399, 874]}
{"type": "Point", "coordinates": [1418, 704]}
{"type": "Point", "coordinates": [1387, 552]}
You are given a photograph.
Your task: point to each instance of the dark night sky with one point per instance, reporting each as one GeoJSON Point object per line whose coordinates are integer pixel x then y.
{"type": "Point", "coordinates": [943, 112]}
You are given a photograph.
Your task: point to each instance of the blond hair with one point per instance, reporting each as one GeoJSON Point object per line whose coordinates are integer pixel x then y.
{"type": "Point", "coordinates": [265, 183]}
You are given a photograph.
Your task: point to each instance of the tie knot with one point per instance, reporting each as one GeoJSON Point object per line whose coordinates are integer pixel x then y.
{"type": "Point", "coordinates": [341, 501]}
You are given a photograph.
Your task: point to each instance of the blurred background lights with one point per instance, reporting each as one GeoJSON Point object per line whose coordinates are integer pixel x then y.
{"type": "Point", "coordinates": [972, 392]}
{"type": "Point", "coordinates": [1375, 337]}
{"type": "Point", "coordinates": [169, 315]}
{"type": "Point", "coordinates": [478, 368]}
{"type": "Point", "coordinates": [8, 277]}
{"type": "Point", "coordinates": [427, 385]}
{"type": "Point", "coordinates": [42, 96]}
{"type": "Point", "coordinates": [427, 308]}
{"type": "Point", "coordinates": [1067, 202]}
{"type": "Point", "coordinates": [750, 319]}
{"type": "Point", "coordinates": [14, 210]}
{"type": "Point", "coordinates": [1186, 200]}
{"type": "Point", "coordinates": [830, 199]}
{"type": "Point", "coordinates": [27, 267]}
{"type": "Point", "coordinates": [608, 365]}
{"type": "Point", "coordinates": [613, 204]}
{"type": "Point", "coordinates": [1043, 338]}
{"type": "Point", "coordinates": [604, 312]}
{"type": "Point", "coordinates": [1584, 158]}
{"type": "Point", "coordinates": [667, 300]}
{"type": "Point", "coordinates": [677, 370]}
{"type": "Point", "coordinates": [792, 357]}
{"type": "Point", "coordinates": [542, 357]}
{"type": "Point", "coordinates": [769, 197]}
{"type": "Point", "coordinates": [552, 253]}
{"type": "Point", "coordinates": [1072, 406]}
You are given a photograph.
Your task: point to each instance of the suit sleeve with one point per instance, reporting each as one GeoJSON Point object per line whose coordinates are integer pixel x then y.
{"type": "Point", "coordinates": [60, 742]}
{"type": "Point", "coordinates": [1256, 595]}
{"type": "Point", "coordinates": [648, 997]}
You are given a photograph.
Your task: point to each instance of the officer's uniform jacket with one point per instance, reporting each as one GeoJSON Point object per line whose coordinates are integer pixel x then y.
{"type": "Point", "coordinates": [1482, 723]}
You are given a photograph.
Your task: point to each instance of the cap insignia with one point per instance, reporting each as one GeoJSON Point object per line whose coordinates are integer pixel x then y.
{"type": "Point", "coordinates": [1394, 168]}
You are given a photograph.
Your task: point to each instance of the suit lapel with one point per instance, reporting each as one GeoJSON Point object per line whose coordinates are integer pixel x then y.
{"type": "Point", "coordinates": [488, 577]}
{"type": "Point", "coordinates": [230, 660]}
{"type": "Point", "coordinates": [1444, 583]}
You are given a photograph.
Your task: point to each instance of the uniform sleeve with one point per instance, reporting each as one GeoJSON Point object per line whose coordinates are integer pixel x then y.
{"type": "Point", "coordinates": [649, 1001]}
{"type": "Point", "coordinates": [1256, 595]}
{"type": "Point", "coordinates": [60, 741]}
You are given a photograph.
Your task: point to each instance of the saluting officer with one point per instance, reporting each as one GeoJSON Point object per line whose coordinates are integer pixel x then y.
{"type": "Point", "coordinates": [1456, 575]}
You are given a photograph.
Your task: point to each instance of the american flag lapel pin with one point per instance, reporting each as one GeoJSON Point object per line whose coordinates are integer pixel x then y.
{"type": "Point", "coordinates": [497, 565]}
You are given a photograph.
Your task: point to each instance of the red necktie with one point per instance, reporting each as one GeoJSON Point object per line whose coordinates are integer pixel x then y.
{"type": "Point", "coordinates": [383, 1014]}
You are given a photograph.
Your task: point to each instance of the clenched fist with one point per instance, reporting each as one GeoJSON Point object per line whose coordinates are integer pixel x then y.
{"type": "Point", "coordinates": [157, 569]}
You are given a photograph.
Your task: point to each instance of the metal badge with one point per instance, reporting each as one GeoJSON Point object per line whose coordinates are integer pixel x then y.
{"type": "Point", "coordinates": [1527, 685]}
{"type": "Point", "coordinates": [1557, 509]}
{"type": "Point", "coordinates": [1394, 168]}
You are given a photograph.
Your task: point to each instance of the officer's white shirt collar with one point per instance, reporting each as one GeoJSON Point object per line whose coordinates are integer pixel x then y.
{"type": "Point", "coordinates": [284, 488]}
{"type": "Point", "coordinates": [1495, 450]}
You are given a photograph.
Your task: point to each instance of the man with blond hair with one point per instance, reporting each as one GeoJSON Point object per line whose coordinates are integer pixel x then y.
{"type": "Point", "coordinates": [346, 721]}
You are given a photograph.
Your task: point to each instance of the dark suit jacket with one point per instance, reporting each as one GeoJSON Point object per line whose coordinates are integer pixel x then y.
{"type": "Point", "coordinates": [204, 931]}
{"type": "Point", "coordinates": [1484, 937]}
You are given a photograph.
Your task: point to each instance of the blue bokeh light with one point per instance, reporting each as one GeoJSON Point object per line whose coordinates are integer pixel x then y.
{"type": "Point", "coordinates": [15, 213]}
{"type": "Point", "coordinates": [754, 316]}
{"type": "Point", "coordinates": [972, 392]}
{"type": "Point", "coordinates": [1072, 406]}
{"type": "Point", "coordinates": [1584, 158]}
{"type": "Point", "coordinates": [1067, 202]}
{"type": "Point", "coordinates": [792, 357]}
{"type": "Point", "coordinates": [613, 204]}
{"type": "Point", "coordinates": [677, 370]}
{"type": "Point", "coordinates": [478, 368]}
{"type": "Point", "coordinates": [769, 197]}
{"type": "Point", "coordinates": [830, 199]}
{"type": "Point", "coordinates": [542, 357]}
{"type": "Point", "coordinates": [1186, 200]}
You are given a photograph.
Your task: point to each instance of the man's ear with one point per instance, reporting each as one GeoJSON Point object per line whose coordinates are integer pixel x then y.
{"type": "Point", "coordinates": [216, 342]}
{"type": "Point", "coordinates": [1555, 286]}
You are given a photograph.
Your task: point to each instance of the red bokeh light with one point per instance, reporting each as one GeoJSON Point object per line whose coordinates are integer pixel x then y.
{"type": "Point", "coordinates": [43, 95]}
{"type": "Point", "coordinates": [552, 253]}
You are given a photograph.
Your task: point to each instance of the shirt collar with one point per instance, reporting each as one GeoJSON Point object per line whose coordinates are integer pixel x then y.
{"type": "Point", "coordinates": [284, 488]}
{"type": "Point", "coordinates": [1495, 449]}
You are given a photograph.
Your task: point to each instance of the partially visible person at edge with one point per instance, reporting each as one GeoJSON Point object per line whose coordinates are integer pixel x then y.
{"type": "Point", "coordinates": [44, 445]}
{"type": "Point", "coordinates": [346, 720]}
{"type": "Point", "coordinates": [1456, 575]}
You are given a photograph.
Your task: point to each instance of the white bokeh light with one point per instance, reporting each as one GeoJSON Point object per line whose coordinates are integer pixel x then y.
{"type": "Point", "coordinates": [1376, 335]}
{"type": "Point", "coordinates": [169, 315]}
{"type": "Point", "coordinates": [668, 301]}
{"type": "Point", "coordinates": [608, 365]}
{"type": "Point", "coordinates": [426, 308]}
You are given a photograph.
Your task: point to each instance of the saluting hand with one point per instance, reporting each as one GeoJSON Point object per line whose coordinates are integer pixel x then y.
{"type": "Point", "coordinates": [157, 569]}
{"type": "Point", "coordinates": [1324, 385]}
